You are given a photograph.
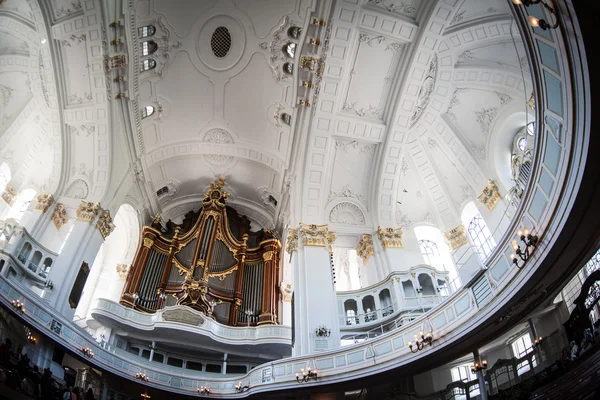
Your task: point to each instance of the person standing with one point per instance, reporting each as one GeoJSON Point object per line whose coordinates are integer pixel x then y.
{"type": "Point", "coordinates": [89, 395]}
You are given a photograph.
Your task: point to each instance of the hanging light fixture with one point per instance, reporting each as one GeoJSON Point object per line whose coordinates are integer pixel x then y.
{"type": "Point", "coordinates": [479, 365]}
{"type": "Point", "coordinates": [420, 343]}
{"type": "Point", "coordinates": [87, 352]}
{"type": "Point", "coordinates": [534, 21]}
{"type": "Point", "coordinates": [530, 241]}
{"type": "Point", "coordinates": [204, 390]}
{"type": "Point", "coordinates": [307, 374]}
{"type": "Point", "coordinates": [239, 388]}
{"type": "Point", "coordinates": [142, 377]}
{"type": "Point", "coordinates": [18, 305]}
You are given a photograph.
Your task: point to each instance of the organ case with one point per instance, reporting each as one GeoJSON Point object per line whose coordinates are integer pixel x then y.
{"type": "Point", "coordinates": [211, 262]}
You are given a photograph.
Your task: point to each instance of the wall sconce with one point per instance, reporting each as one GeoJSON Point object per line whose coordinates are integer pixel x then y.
{"type": "Point", "coordinates": [239, 388]}
{"type": "Point", "coordinates": [426, 339]}
{"type": "Point", "coordinates": [479, 365]}
{"type": "Point", "coordinates": [307, 84]}
{"type": "Point", "coordinates": [18, 305]}
{"type": "Point", "coordinates": [121, 95]}
{"type": "Point", "coordinates": [307, 374]}
{"type": "Point", "coordinates": [49, 284]}
{"type": "Point", "coordinates": [142, 377]}
{"type": "Point", "coordinates": [145, 395]}
{"type": "Point", "coordinates": [529, 240]}
{"type": "Point", "coordinates": [535, 22]}
{"type": "Point", "coordinates": [203, 390]}
{"type": "Point", "coordinates": [87, 352]}
{"type": "Point", "coordinates": [323, 331]}
{"type": "Point", "coordinates": [31, 338]}
{"type": "Point", "coordinates": [537, 342]}
{"type": "Point", "coordinates": [419, 289]}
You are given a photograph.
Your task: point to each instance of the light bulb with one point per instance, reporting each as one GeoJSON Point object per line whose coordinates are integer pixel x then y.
{"type": "Point", "coordinates": [409, 343]}
{"type": "Point", "coordinates": [526, 232]}
{"type": "Point", "coordinates": [533, 21]}
{"type": "Point", "coordinates": [519, 233]}
{"type": "Point", "coordinates": [512, 256]}
{"type": "Point", "coordinates": [515, 245]}
{"type": "Point", "coordinates": [517, 2]}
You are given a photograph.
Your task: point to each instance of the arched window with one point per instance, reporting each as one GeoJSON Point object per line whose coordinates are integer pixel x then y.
{"type": "Point", "coordinates": [146, 31]}
{"type": "Point", "coordinates": [430, 252]}
{"type": "Point", "coordinates": [288, 68]}
{"type": "Point", "coordinates": [289, 50]}
{"type": "Point", "coordinates": [481, 239]}
{"type": "Point", "coordinates": [148, 64]}
{"type": "Point", "coordinates": [409, 290]}
{"type": "Point", "coordinates": [147, 111]}
{"type": "Point", "coordinates": [435, 250]}
{"type": "Point", "coordinates": [294, 32]}
{"type": "Point", "coordinates": [520, 162]}
{"type": "Point", "coordinates": [149, 47]}
{"type": "Point", "coordinates": [426, 285]}
{"type": "Point", "coordinates": [5, 175]}
{"type": "Point", "coordinates": [351, 309]}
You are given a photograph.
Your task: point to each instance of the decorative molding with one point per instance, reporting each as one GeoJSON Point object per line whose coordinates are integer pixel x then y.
{"type": "Point", "coordinates": [292, 241]}
{"type": "Point", "coordinates": [317, 235]}
{"type": "Point", "coordinates": [400, 7]}
{"type": "Point", "coordinates": [148, 242]}
{"type": "Point", "coordinates": [9, 194]}
{"type": "Point", "coordinates": [44, 201]}
{"type": "Point", "coordinates": [78, 189]}
{"type": "Point", "coordinates": [346, 192]}
{"type": "Point", "coordinates": [347, 214]}
{"type": "Point", "coordinates": [122, 271]}
{"type": "Point", "coordinates": [365, 248]}
{"type": "Point", "coordinates": [218, 136]}
{"type": "Point", "coordinates": [490, 195]}
{"type": "Point", "coordinates": [183, 316]}
{"type": "Point", "coordinates": [390, 238]}
{"type": "Point", "coordinates": [425, 91]}
{"type": "Point", "coordinates": [87, 211]}
{"type": "Point", "coordinates": [402, 219]}
{"type": "Point", "coordinates": [285, 290]}
{"type": "Point", "coordinates": [105, 224]}
{"type": "Point", "coordinates": [456, 237]}
{"type": "Point", "coordinates": [267, 256]}
{"type": "Point", "coordinates": [59, 216]}
{"type": "Point", "coordinates": [345, 146]}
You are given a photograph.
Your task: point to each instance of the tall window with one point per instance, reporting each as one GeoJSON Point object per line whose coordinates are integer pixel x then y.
{"type": "Point", "coordinates": [520, 348]}
{"type": "Point", "coordinates": [435, 250]}
{"type": "Point", "coordinates": [21, 204]}
{"type": "Point", "coordinates": [463, 373]}
{"type": "Point", "coordinates": [430, 252]}
{"type": "Point", "coordinates": [481, 239]}
{"type": "Point", "coordinates": [146, 31]}
{"type": "Point", "coordinates": [148, 64]}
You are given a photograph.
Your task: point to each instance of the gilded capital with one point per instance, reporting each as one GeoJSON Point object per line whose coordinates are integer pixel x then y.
{"type": "Point", "coordinates": [365, 248]}
{"type": "Point", "coordinates": [59, 216]}
{"type": "Point", "coordinates": [317, 235]}
{"type": "Point", "coordinates": [490, 195]}
{"type": "Point", "coordinates": [390, 238]}
{"type": "Point", "coordinates": [267, 256]}
{"type": "Point", "coordinates": [87, 211]}
{"type": "Point", "coordinates": [43, 202]}
{"type": "Point", "coordinates": [105, 224]}
{"type": "Point", "coordinates": [9, 194]}
{"type": "Point", "coordinates": [148, 242]}
{"type": "Point", "coordinates": [456, 237]}
{"type": "Point", "coordinates": [291, 241]}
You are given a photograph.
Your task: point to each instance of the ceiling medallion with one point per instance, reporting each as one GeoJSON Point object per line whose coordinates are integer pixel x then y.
{"type": "Point", "coordinates": [218, 136]}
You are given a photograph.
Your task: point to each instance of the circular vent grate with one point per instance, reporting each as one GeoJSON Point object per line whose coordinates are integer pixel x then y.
{"type": "Point", "coordinates": [220, 42]}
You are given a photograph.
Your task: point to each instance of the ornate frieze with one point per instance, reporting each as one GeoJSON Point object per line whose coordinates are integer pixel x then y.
{"type": "Point", "coordinates": [105, 224]}
{"type": "Point", "coordinates": [43, 202]}
{"type": "Point", "coordinates": [122, 271]}
{"type": "Point", "coordinates": [456, 237]}
{"type": "Point", "coordinates": [183, 316]}
{"type": "Point", "coordinates": [59, 216]}
{"type": "Point", "coordinates": [490, 195]}
{"type": "Point", "coordinates": [9, 194]}
{"type": "Point", "coordinates": [292, 241]}
{"type": "Point", "coordinates": [365, 248]}
{"type": "Point", "coordinates": [390, 238]}
{"type": "Point", "coordinates": [317, 235]}
{"type": "Point", "coordinates": [87, 211]}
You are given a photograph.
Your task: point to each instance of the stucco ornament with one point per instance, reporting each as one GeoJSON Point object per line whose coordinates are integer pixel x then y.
{"type": "Point", "coordinates": [390, 238]}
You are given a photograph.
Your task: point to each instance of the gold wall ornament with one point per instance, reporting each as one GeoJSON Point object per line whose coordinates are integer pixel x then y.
{"type": "Point", "coordinates": [9, 194]}
{"type": "Point", "coordinates": [215, 193]}
{"type": "Point", "coordinates": [148, 242]}
{"type": "Point", "coordinates": [267, 255]}
{"type": "Point", "coordinates": [105, 224]}
{"type": "Point", "coordinates": [456, 237]}
{"type": "Point", "coordinates": [365, 248]}
{"type": "Point", "coordinates": [531, 102]}
{"type": "Point", "coordinates": [43, 202]}
{"type": "Point", "coordinates": [59, 216]}
{"type": "Point", "coordinates": [291, 241]}
{"type": "Point", "coordinates": [122, 271]}
{"type": "Point", "coordinates": [87, 211]}
{"type": "Point", "coordinates": [390, 238]}
{"type": "Point", "coordinates": [490, 195]}
{"type": "Point", "coordinates": [317, 235]}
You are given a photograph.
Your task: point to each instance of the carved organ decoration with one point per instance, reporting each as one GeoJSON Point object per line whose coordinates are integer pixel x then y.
{"type": "Point", "coordinates": [43, 202]}
{"type": "Point", "coordinates": [490, 195]}
{"type": "Point", "coordinates": [456, 237]}
{"type": "Point", "coordinates": [390, 238]}
{"type": "Point", "coordinates": [365, 248]}
{"type": "Point", "coordinates": [210, 262]}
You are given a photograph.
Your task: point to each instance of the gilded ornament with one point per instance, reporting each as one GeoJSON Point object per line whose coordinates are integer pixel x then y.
{"type": "Point", "coordinates": [365, 248]}
{"type": "Point", "coordinates": [122, 271]}
{"type": "Point", "coordinates": [390, 238]}
{"type": "Point", "coordinates": [105, 224]}
{"type": "Point", "coordinates": [215, 192]}
{"type": "Point", "coordinates": [456, 237]}
{"type": "Point", "coordinates": [267, 255]}
{"type": "Point", "coordinates": [87, 211]}
{"type": "Point", "coordinates": [59, 216]}
{"type": "Point", "coordinates": [43, 202]}
{"type": "Point", "coordinates": [148, 242]}
{"type": "Point", "coordinates": [490, 195]}
{"type": "Point", "coordinates": [9, 194]}
{"type": "Point", "coordinates": [292, 241]}
{"type": "Point", "coordinates": [317, 235]}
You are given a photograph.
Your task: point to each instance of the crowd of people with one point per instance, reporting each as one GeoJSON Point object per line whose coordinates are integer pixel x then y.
{"type": "Point", "coordinates": [589, 338]}
{"type": "Point", "coordinates": [25, 377]}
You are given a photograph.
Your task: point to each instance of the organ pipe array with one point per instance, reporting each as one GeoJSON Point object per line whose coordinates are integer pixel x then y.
{"type": "Point", "coordinates": [211, 262]}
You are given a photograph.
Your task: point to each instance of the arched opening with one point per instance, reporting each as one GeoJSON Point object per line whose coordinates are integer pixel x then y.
{"type": "Point", "coordinates": [149, 47]}
{"type": "Point", "coordinates": [442, 287]}
{"type": "Point", "coordinates": [408, 289]}
{"type": "Point", "coordinates": [24, 253]}
{"type": "Point", "coordinates": [385, 299]}
{"type": "Point", "coordinates": [35, 261]}
{"type": "Point", "coordinates": [147, 64]}
{"type": "Point", "coordinates": [479, 235]}
{"type": "Point", "coordinates": [368, 303]}
{"type": "Point", "coordinates": [288, 68]}
{"type": "Point", "coordinates": [435, 250]}
{"type": "Point", "coordinates": [46, 267]}
{"type": "Point", "coordinates": [146, 31]}
{"type": "Point", "coordinates": [5, 176]}
{"type": "Point", "coordinates": [426, 285]}
{"type": "Point", "coordinates": [294, 32]}
{"type": "Point", "coordinates": [351, 310]}
{"type": "Point", "coordinates": [286, 118]}
{"type": "Point", "coordinates": [147, 111]}
{"type": "Point", "coordinates": [289, 49]}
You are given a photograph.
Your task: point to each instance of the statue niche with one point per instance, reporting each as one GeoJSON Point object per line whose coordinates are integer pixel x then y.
{"type": "Point", "coordinates": [211, 262]}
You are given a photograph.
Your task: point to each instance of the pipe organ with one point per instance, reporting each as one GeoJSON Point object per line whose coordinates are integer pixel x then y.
{"type": "Point", "coordinates": [211, 262]}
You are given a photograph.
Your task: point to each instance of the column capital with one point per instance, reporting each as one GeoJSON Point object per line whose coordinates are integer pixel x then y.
{"type": "Point", "coordinates": [291, 241]}
{"type": "Point", "coordinates": [456, 237]}
{"type": "Point", "coordinates": [9, 194]}
{"type": "Point", "coordinates": [59, 215]}
{"type": "Point", "coordinates": [105, 224]}
{"type": "Point", "coordinates": [87, 211]}
{"type": "Point", "coordinates": [317, 235]}
{"type": "Point", "coordinates": [390, 238]}
{"type": "Point", "coordinates": [365, 248]}
{"type": "Point", "coordinates": [44, 201]}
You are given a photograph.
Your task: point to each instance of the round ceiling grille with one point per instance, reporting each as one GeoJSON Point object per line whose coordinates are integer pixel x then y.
{"type": "Point", "coordinates": [220, 42]}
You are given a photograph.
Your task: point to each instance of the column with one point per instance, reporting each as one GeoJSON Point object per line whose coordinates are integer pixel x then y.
{"type": "Point", "coordinates": [239, 278]}
{"type": "Point", "coordinates": [224, 371]}
{"type": "Point", "coordinates": [152, 350]}
{"type": "Point", "coordinates": [480, 376]}
{"type": "Point", "coordinates": [315, 302]}
{"type": "Point", "coordinates": [270, 261]}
